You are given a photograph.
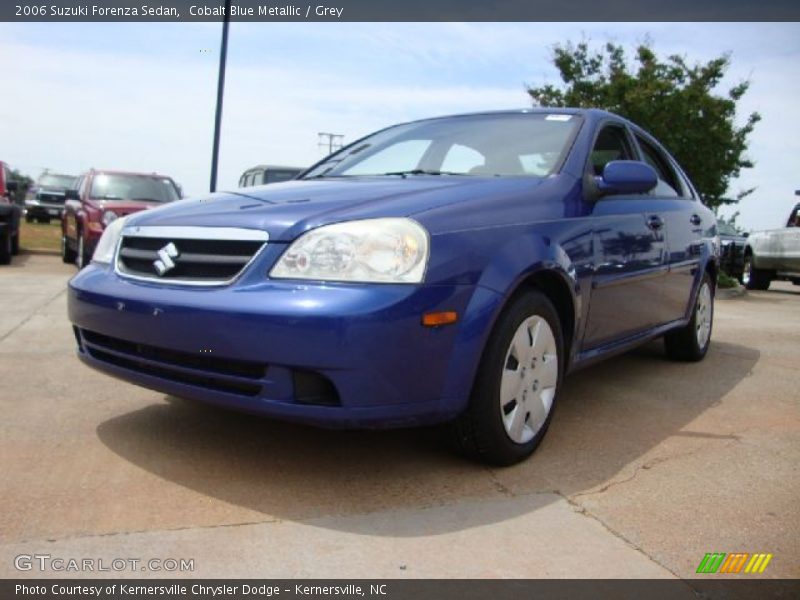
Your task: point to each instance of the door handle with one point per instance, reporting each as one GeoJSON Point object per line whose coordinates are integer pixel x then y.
{"type": "Point", "coordinates": [654, 222]}
{"type": "Point", "coordinates": [695, 220]}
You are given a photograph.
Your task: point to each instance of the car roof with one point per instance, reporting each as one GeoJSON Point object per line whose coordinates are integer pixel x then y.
{"type": "Point", "coordinates": [117, 172]}
{"type": "Point", "coordinates": [273, 167]}
{"type": "Point", "coordinates": [596, 113]}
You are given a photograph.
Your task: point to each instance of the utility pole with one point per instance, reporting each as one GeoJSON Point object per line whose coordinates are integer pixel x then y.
{"type": "Point", "coordinates": [333, 143]}
{"type": "Point", "coordinates": [223, 57]}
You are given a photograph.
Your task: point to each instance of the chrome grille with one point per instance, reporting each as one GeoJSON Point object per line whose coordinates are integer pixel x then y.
{"type": "Point", "coordinates": [187, 255]}
{"type": "Point", "coordinates": [50, 197]}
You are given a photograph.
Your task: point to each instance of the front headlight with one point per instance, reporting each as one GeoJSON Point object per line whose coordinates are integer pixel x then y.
{"type": "Point", "coordinates": [391, 250]}
{"type": "Point", "coordinates": [109, 217]}
{"type": "Point", "coordinates": [104, 252]}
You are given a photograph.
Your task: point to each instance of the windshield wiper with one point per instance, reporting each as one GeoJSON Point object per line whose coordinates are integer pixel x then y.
{"type": "Point", "coordinates": [405, 174]}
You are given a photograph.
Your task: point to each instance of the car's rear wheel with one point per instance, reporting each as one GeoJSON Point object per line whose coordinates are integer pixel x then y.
{"type": "Point", "coordinates": [690, 343]}
{"type": "Point", "coordinates": [517, 384]}
{"type": "Point", "coordinates": [15, 243]}
{"type": "Point", "coordinates": [29, 218]}
{"type": "Point", "coordinates": [68, 255]}
{"type": "Point", "coordinates": [753, 278]}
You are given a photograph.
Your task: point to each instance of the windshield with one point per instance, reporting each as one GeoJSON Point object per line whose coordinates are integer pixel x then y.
{"type": "Point", "coordinates": [271, 176]}
{"type": "Point", "coordinates": [151, 188]}
{"type": "Point", "coordinates": [726, 228]}
{"type": "Point", "coordinates": [487, 145]}
{"type": "Point", "coordinates": [56, 181]}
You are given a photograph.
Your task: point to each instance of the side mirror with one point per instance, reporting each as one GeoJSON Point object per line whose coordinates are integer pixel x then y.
{"type": "Point", "coordinates": [71, 195]}
{"type": "Point", "coordinates": [626, 177]}
{"type": "Point", "coordinates": [12, 186]}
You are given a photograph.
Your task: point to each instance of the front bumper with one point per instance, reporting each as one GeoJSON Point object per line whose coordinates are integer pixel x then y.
{"type": "Point", "coordinates": [249, 346]}
{"type": "Point", "coordinates": [43, 209]}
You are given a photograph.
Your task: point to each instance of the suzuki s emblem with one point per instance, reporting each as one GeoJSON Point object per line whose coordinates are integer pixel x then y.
{"type": "Point", "coordinates": [165, 256]}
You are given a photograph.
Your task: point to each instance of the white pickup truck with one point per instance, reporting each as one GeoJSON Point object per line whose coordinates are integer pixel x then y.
{"type": "Point", "coordinates": [773, 254]}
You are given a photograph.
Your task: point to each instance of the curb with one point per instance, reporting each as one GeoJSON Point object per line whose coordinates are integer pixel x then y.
{"type": "Point", "coordinates": [731, 293]}
{"type": "Point", "coordinates": [43, 251]}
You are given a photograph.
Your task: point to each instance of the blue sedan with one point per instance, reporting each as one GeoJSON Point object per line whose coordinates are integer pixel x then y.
{"type": "Point", "coordinates": [446, 270]}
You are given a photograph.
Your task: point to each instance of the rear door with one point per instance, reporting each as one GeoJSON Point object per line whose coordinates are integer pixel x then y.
{"type": "Point", "coordinates": [686, 223]}
{"type": "Point", "coordinates": [789, 244]}
{"type": "Point", "coordinates": [629, 250]}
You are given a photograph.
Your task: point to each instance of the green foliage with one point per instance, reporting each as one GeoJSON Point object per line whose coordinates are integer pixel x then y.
{"type": "Point", "coordinates": [673, 100]}
{"type": "Point", "coordinates": [725, 281]}
{"type": "Point", "coordinates": [24, 182]}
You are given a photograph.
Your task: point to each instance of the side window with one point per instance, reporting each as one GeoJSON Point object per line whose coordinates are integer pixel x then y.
{"type": "Point", "coordinates": [79, 183]}
{"type": "Point", "coordinates": [611, 144]}
{"type": "Point", "coordinates": [667, 185]}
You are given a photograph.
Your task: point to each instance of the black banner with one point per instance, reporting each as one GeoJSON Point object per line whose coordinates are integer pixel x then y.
{"type": "Point", "coordinates": [437, 589]}
{"type": "Point", "coordinates": [405, 10]}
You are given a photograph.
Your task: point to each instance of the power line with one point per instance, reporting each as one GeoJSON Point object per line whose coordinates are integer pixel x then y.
{"type": "Point", "coordinates": [333, 141]}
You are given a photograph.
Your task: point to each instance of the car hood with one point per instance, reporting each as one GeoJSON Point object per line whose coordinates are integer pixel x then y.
{"type": "Point", "coordinates": [124, 207]}
{"type": "Point", "coordinates": [286, 210]}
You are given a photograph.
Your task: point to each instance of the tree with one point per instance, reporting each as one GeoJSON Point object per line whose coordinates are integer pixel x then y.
{"type": "Point", "coordinates": [23, 184]}
{"type": "Point", "coordinates": [671, 99]}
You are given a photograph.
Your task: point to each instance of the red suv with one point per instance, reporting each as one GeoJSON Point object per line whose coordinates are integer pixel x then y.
{"type": "Point", "coordinates": [99, 198]}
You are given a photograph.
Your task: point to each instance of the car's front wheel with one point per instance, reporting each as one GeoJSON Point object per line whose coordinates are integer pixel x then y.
{"type": "Point", "coordinates": [68, 255]}
{"type": "Point", "coordinates": [82, 259]}
{"type": "Point", "coordinates": [516, 385]}
{"type": "Point", "coordinates": [753, 278]}
{"type": "Point", "coordinates": [690, 343]}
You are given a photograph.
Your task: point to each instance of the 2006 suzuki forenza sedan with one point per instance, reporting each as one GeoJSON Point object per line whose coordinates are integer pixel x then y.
{"type": "Point", "coordinates": [449, 269]}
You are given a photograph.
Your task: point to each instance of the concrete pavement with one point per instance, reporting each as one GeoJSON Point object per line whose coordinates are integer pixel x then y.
{"type": "Point", "coordinates": [648, 465]}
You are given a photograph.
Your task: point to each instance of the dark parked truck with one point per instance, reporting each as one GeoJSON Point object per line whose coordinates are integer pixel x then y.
{"type": "Point", "coordinates": [732, 245]}
{"type": "Point", "coordinates": [447, 270]}
{"type": "Point", "coordinates": [45, 198]}
{"type": "Point", "coordinates": [9, 216]}
{"type": "Point", "coordinates": [101, 197]}
{"type": "Point", "coordinates": [773, 254]}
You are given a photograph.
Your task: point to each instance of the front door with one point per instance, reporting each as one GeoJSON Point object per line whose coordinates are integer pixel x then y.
{"type": "Point", "coordinates": [629, 249]}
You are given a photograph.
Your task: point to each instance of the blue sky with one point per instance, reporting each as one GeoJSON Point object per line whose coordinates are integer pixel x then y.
{"type": "Point", "coordinates": [141, 96]}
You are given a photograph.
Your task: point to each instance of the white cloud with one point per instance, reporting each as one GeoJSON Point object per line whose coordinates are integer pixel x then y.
{"type": "Point", "coordinates": [141, 97]}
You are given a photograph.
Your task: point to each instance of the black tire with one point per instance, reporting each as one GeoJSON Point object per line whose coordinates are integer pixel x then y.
{"type": "Point", "coordinates": [29, 218]}
{"type": "Point", "coordinates": [479, 432]}
{"type": "Point", "coordinates": [5, 248]}
{"type": "Point", "coordinates": [68, 255]}
{"type": "Point", "coordinates": [15, 244]}
{"type": "Point", "coordinates": [684, 343]}
{"type": "Point", "coordinates": [753, 278]}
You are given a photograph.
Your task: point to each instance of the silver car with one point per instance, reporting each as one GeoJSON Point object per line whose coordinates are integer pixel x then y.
{"type": "Point", "coordinates": [773, 254]}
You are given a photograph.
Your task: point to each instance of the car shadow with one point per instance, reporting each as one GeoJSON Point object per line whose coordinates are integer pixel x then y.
{"type": "Point", "coordinates": [608, 416]}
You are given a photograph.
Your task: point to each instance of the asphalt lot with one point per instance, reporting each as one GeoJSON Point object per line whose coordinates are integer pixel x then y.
{"type": "Point", "coordinates": [648, 465]}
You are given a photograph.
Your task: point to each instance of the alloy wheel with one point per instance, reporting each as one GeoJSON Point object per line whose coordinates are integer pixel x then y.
{"type": "Point", "coordinates": [703, 315]}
